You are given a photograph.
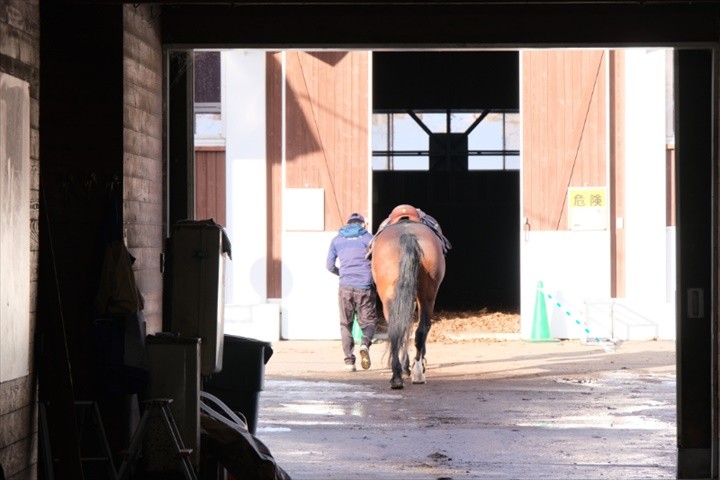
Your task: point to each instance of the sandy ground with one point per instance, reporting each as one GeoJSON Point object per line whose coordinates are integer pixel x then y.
{"type": "Point", "coordinates": [449, 325]}
{"type": "Point", "coordinates": [493, 407]}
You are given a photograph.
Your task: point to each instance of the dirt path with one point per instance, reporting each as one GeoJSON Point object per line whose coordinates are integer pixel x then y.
{"type": "Point", "coordinates": [490, 409]}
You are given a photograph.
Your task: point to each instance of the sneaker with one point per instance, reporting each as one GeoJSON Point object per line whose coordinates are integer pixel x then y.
{"type": "Point", "coordinates": [350, 367]}
{"type": "Point", "coordinates": [364, 357]}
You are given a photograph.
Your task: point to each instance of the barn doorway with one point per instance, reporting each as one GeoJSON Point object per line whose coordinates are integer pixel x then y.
{"type": "Point", "coordinates": [478, 207]}
{"type": "Point", "coordinates": [407, 186]}
{"type": "Point", "coordinates": [446, 138]}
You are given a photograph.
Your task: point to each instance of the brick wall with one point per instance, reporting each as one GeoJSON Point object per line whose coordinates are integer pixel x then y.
{"type": "Point", "coordinates": [19, 57]}
{"type": "Point", "coordinates": [142, 163]}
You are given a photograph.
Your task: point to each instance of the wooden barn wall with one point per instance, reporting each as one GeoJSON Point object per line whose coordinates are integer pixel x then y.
{"type": "Point", "coordinates": [209, 183]}
{"type": "Point", "coordinates": [142, 154]}
{"type": "Point", "coordinates": [327, 129]}
{"type": "Point", "coordinates": [616, 113]}
{"type": "Point", "coordinates": [564, 130]}
{"type": "Point", "coordinates": [20, 57]}
{"type": "Point", "coordinates": [273, 97]}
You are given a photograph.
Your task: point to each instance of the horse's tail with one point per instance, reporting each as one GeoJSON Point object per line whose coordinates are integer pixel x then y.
{"type": "Point", "coordinates": [403, 304]}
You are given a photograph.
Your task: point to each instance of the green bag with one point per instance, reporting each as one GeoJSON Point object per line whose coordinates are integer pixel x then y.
{"type": "Point", "coordinates": [357, 333]}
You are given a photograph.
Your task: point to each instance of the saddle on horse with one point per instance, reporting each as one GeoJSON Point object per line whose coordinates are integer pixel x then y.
{"type": "Point", "coordinates": [401, 212]}
{"type": "Point", "coordinates": [409, 213]}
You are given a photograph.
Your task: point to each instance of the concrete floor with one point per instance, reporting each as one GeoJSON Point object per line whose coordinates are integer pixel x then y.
{"type": "Point", "coordinates": [490, 409]}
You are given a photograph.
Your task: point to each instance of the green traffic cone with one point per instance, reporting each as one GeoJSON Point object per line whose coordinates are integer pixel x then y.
{"type": "Point", "coordinates": [541, 326]}
{"type": "Point", "coordinates": [357, 332]}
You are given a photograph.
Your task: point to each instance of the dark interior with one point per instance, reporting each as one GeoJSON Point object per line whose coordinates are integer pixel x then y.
{"type": "Point", "coordinates": [479, 213]}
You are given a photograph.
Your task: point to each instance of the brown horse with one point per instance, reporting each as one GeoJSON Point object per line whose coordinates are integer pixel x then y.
{"type": "Point", "coordinates": [408, 266]}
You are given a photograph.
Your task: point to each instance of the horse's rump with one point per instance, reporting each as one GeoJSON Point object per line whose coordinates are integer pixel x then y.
{"type": "Point", "coordinates": [388, 249]}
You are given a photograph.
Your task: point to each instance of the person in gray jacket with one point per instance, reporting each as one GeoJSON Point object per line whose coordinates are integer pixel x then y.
{"type": "Point", "coordinates": [347, 259]}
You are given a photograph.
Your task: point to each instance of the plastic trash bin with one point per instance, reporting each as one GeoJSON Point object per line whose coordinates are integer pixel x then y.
{"type": "Point", "coordinates": [242, 377]}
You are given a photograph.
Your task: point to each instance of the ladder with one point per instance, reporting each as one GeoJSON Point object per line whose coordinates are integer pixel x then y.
{"type": "Point", "coordinates": [89, 422]}
{"type": "Point", "coordinates": [154, 408]}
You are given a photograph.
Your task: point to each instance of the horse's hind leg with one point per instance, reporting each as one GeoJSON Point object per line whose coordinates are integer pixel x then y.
{"type": "Point", "coordinates": [398, 358]}
{"type": "Point", "coordinates": [400, 367]}
{"type": "Point", "coordinates": [423, 328]}
{"type": "Point", "coordinates": [418, 371]}
{"type": "Point", "coordinates": [396, 382]}
{"type": "Point", "coordinates": [406, 364]}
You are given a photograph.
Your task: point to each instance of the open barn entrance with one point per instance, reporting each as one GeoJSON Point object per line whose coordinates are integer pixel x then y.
{"type": "Point", "coordinates": [446, 139]}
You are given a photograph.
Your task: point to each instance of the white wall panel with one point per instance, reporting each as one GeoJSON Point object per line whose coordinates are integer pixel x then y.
{"type": "Point", "coordinates": [310, 292]}
{"type": "Point", "coordinates": [14, 228]}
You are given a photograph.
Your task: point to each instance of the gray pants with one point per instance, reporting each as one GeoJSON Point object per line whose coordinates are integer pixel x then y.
{"type": "Point", "coordinates": [363, 302]}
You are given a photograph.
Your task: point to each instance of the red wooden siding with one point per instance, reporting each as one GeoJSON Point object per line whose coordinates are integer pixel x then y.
{"type": "Point", "coordinates": [327, 129]}
{"type": "Point", "coordinates": [564, 130]}
{"type": "Point", "coordinates": [210, 194]}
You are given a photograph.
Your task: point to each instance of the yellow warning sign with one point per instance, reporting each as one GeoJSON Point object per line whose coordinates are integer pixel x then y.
{"type": "Point", "coordinates": [587, 208]}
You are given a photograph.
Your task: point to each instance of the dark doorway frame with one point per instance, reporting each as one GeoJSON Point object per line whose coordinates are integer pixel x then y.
{"type": "Point", "coordinates": [602, 25]}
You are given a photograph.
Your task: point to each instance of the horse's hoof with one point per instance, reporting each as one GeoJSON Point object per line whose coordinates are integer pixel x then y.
{"type": "Point", "coordinates": [418, 382]}
{"type": "Point", "coordinates": [406, 374]}
{"type": "Point", "coordinates": [418, 372]}
{"type": "Point", "coordinates": [396, 384]}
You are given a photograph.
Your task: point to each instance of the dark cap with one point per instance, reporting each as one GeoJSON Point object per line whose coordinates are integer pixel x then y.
{"type": "Point", "coordinates": [356, 218]}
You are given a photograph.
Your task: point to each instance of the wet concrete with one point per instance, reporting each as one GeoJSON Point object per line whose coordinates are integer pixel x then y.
{"type": "Point", "coordinates": [505, 409]}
